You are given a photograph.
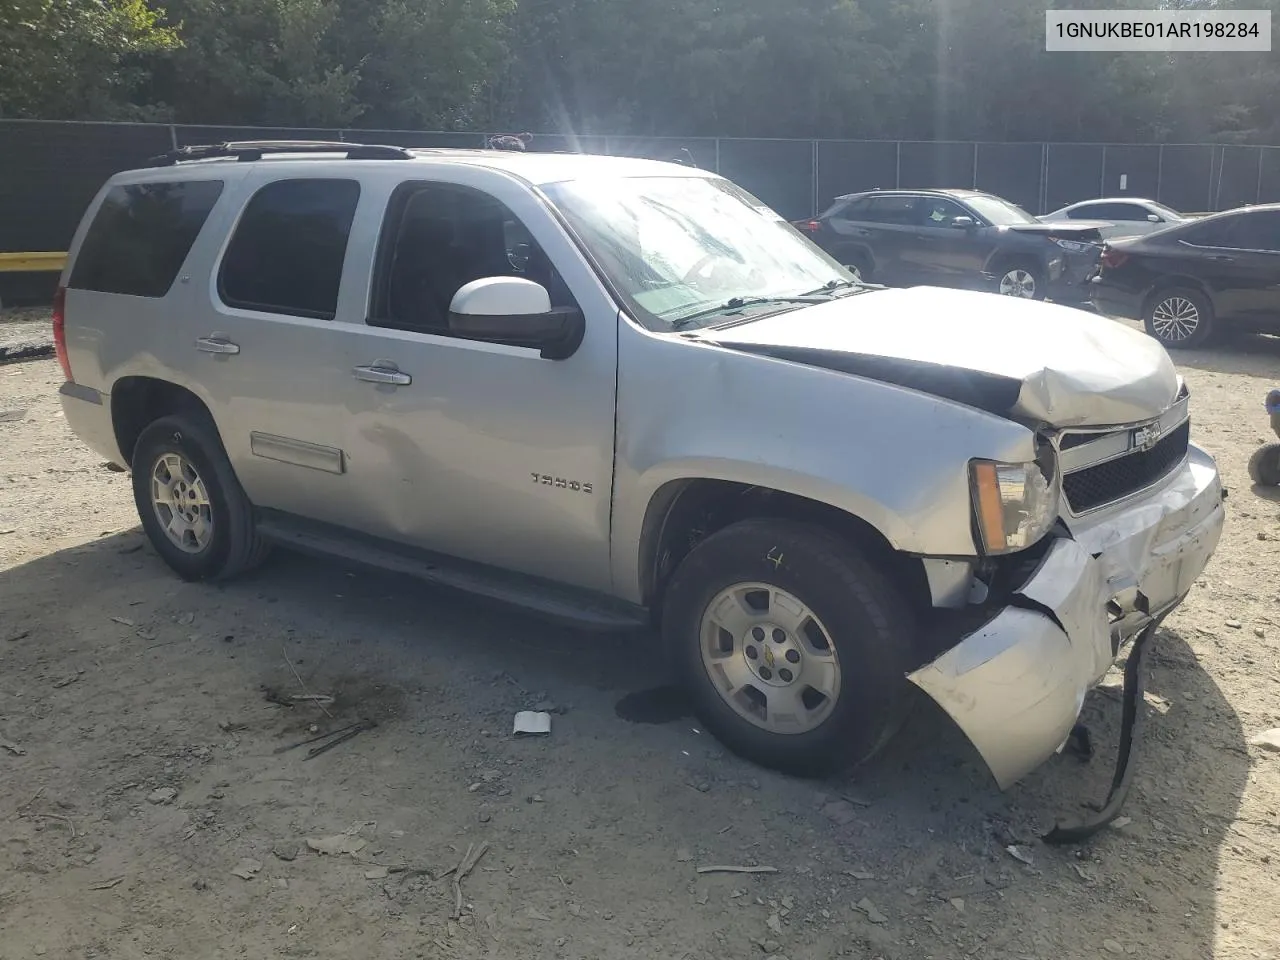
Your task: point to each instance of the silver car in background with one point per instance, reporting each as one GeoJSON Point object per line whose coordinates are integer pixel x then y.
{"type": "Point", "coordinates": [1120, 216]}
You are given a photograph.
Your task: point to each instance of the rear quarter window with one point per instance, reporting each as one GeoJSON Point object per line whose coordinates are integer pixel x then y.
{"type": "Point", "coordinates": [141, 235]}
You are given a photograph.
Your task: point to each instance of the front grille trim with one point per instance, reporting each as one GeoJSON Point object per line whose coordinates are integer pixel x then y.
{"type": "Point", "coordinates": [1112, 481]}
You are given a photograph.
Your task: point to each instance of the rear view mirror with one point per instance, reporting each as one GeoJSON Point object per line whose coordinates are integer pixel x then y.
{"type": "Point", "coordinates": [963, 223]}
{"type": "Point", "coordinates": [1152, 218]}
{"type": "Point", "coordinates": [516, 311]}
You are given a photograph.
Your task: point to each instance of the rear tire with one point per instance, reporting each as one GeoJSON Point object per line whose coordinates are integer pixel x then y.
{"type": "Point", "coordinates": [792, 647]}
{"type": "Point", "coordinates": [1180, 318]}
{"type": "Point", "coordinates": [1264, 465]}
{"type": "Point", "coordinates": [191, 505]}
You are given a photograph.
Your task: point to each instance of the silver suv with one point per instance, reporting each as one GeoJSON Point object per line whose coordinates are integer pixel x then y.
{"type": "Point", "coordinates": [616, 390]}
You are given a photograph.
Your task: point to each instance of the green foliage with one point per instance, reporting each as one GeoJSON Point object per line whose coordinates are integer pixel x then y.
{"type": "Point", "coordinates": [916, 69]}
{"type": "Point", "coordinates": [77, 58]}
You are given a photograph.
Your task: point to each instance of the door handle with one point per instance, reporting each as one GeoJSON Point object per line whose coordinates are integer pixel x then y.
{"type": "Point", "coordinates": [382, 371]}
{"type": "Point", "coordinates": [1223, 258]}
{"type": "Point", "coordinates": [217, 343]}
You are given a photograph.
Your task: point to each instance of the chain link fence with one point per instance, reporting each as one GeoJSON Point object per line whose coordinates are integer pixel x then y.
{"type": "Point", "coordinates": [51, 169]}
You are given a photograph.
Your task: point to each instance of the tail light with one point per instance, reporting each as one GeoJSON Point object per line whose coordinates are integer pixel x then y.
{"type": "Point", "coordinates": [60, 330]}
{"type": "Point", "coordinates": [1112, 258]}
{"type": "Point", "coordinates": [807, 226]}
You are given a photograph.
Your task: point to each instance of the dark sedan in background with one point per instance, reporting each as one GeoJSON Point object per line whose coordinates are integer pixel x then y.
{"type": "Point", "coordinates": [1189, 281]}
{"type": "Point", "coordinates": [958, 238]}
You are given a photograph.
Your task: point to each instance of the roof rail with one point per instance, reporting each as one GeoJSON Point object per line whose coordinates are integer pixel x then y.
{"type": "Point", "coordinates": [248, 150]}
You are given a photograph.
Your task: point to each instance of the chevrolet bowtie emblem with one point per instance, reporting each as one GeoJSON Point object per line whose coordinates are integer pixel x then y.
{"type": "Point", "coordinates": [1144, 438]}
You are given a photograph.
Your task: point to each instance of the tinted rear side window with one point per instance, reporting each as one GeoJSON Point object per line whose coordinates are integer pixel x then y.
{"type": "Point", "coordinates": [1209, 233]}
{"type": "Point", "coordinates": [287, 252]}
{"type": "Point", "coordinates": [895, 210]}
{"type": "Point", "coordinates": [141, 235]}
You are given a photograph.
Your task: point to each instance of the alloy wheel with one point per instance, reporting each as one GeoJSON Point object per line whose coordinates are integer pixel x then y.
{"type": "Point", "coordinates": [770, 658]}
{"type": "Point", "coordinates": [1175, 319]}
{"type": "Point", "coordinates": [1018, 283]}
{"type": "Point", "coordinates": [181, 503]}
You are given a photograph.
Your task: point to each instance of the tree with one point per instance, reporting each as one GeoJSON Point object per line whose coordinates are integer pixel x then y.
{"type": "Point", "coordinates": [78, 59]}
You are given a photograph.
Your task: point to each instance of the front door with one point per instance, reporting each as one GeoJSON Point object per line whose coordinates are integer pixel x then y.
{"type": "Point", "coordinates": [943, 253]}
{"type": "Point", "coordinates": [479, 450]}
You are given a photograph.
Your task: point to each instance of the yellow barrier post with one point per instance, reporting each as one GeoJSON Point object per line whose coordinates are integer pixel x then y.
{"type": "Point", "coordinates": [39, 262]}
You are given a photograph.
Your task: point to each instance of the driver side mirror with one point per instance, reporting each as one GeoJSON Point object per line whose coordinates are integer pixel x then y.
{"type": "Point", "coordinates": [963, 223]}
{"type": "Point", "coordinates": [518, 312]}
{"type": "Point", "coordinates": [1152, 218]}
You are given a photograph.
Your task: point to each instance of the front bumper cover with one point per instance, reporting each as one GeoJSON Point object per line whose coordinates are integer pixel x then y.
{"type": "Point", "coordinates": [1016, 685]}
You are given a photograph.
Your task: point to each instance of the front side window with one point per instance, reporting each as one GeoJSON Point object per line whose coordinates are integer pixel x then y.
{"type": "Point", "coordinates": [677, 246]}
{"type": "Point", "coordinates": [897, 210]}
{"type": "Point", "coordinates": [141, 236]}
{"type": "Point", "coordinates": [287, 251]}
{"type": "Point", "coordinates": [938, 211]}
{"type": "Point", "coordinates": [436, 238]}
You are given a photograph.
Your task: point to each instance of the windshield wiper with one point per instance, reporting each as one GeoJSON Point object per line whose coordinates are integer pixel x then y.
{"type": "Point", "coordinates": [737, 303]}
{"type": "Point", "coordinates": [831, 286]}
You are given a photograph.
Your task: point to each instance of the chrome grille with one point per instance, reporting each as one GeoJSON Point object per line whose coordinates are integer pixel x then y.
{"type": "Point", "coordinates": [1095, 486]}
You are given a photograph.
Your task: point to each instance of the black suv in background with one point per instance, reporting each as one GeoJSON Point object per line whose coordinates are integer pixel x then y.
{"type": "Point", "coordinates": [958, 238]}
{"type": "Point", "coordinates": [1188, 281]}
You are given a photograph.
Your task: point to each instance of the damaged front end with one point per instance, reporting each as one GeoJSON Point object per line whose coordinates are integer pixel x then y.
{"type": "Point", "coordinates": [1014, 669]}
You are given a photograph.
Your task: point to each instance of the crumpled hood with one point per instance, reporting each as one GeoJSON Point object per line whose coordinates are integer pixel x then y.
{"type": "Point", "coordinates": [1037, 363]}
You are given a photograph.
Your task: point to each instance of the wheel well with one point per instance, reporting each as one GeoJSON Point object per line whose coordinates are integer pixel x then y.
{"type": "Point", "coordinates": [1003, 261]}
{"type": "Point", "coordinates": [138, 401]}
{"type": "Point", "coordinates": [855, 253]}
{"type": "Point", "coordinates": [684, 512]}
{"type": "Point", "coordinates": [1171, 282]}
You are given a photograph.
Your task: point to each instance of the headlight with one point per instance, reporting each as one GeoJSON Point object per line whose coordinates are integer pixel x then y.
{"type": "Point", "coordinates": [1014, 504]}
{"type": "Point", "coordinates": [1073, 246]}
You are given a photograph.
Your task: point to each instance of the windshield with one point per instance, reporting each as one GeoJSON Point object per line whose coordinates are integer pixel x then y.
{"type": "Point", "coordinates": [1167, 213]}
{"type": "Point", "coordinates": [1000, 213]}
{"type": "Point", "coordinates": [679, 246]}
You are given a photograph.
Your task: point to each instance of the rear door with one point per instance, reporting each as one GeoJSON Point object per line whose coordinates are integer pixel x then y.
{"type": "Point", "coordinates": [889, 227]}
{"type": "Point", "coordinates": [1238, 258]}
{"type": "Point", "coordinates": [261, 348]}
{"type": "Point", "coordinates": [1252, 257]}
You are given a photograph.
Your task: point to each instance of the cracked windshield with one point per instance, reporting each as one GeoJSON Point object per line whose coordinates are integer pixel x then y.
{"type": "Point", "coordinates": [687, 250]}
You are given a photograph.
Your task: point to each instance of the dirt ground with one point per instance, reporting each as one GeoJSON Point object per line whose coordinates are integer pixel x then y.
{"type": "Point", "coordinates": [139, 771]}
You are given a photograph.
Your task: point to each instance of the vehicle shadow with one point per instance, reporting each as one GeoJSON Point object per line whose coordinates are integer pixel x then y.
{"type": "Point", "coordinates": [926, 815]}
{"type": "Point", "coordinates": [1159, 862]}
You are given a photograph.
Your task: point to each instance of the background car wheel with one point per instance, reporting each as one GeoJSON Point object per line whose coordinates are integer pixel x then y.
{"type": "Point", "coordinates": [792, 647]}
{"type": "Point", "coordinates": [1264, 465]}
{"type": "Point", "coordinates": [1180, 318]}
{"type": "Point", "coordinates": [1023, 280]}
{"type": "Point", "coordinates": [191, 505]}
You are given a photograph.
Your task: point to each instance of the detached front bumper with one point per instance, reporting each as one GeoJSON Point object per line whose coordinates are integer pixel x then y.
{"type": "Point", "coordinates": [1071, 282]}
{"type": "Point", "coordinates": [1016, 685]}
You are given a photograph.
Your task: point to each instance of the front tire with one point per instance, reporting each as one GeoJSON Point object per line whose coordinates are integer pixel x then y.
{"type": "Point", "coordinates": [1023, 280]}
{"type": "Point", "coordinates": [792, 647]}
{"type": "Point", "coordinates": [191, 505]}
{"type": "Point", "coordinates": [1180, 318]}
